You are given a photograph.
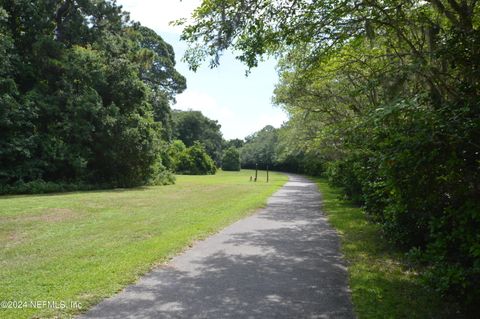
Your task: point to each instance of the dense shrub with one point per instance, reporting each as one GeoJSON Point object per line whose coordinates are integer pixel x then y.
{"type": "Point", "coordinates": [420, 181]}
{"type": "Point", "coordinates": [231, 160]}
{"type": "Point", "coordinates": [345, 174]}
{"type": "Point", "coordinates": [172, 153]}
{"type": "Point", "coordinates": [164, 177]}
{"type": "Point", "coordinates": [40, 186]}
{"type": "Point", "coordinates": [192, 126]}
{"type": "Point", "coordinates": [194, 160]}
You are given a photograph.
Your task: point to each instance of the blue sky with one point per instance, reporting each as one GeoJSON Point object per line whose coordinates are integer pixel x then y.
{"type": "Point", "coordinates": [241, 104]}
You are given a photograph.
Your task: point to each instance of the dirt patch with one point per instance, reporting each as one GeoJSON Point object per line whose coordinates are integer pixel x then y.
{"type": "Point", "coordinates": [12, 238]}
{"type": "Point", "coordinates": [49, 215]}
{"type": "Point", "coordinates": [53, 215]}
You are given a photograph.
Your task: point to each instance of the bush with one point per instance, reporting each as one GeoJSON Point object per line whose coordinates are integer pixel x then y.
{"type": "Point", "coordinates": [172, 154]}
{"type": "Point", "coordinates": [164, 177]}
{"type": "Point", "coordinates": [41, 187]}
{"type": "Point", "coordinates": [418, 177]}
{"type": "Point", "coordinates": [195, 161]}
{"type": "Point", "coordinates": [231, 160]}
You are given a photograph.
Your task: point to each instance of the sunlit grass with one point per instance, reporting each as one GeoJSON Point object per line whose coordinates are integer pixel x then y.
{"type": "Point", "coordinates": [85, 246]}
{"type": "Point", "coordinates": [382, 285]}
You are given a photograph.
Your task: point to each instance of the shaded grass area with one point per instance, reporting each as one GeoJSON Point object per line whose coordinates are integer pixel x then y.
{"type": "Point", "coordinates": [85, 246]}
{"type": "Point", "coordinates": [382, 284]}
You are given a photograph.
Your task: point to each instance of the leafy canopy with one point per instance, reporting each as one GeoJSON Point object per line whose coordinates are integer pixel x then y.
{"type": "Point", "coordinates": [84, 95]}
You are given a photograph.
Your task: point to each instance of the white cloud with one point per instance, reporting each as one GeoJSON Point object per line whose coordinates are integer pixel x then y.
{"type": "Point", "coordinates": [156, 14]}
{"type": "Point", "coordinates": [205, 103]}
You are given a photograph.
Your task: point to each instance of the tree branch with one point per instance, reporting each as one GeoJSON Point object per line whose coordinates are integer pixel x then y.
{"type": "Point", "coordinates": [441, 8]}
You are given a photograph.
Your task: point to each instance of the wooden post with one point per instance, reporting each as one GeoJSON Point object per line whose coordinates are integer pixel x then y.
{"type": "Point", "coordinates": [256, 171]}
{"type": "Point", "coordinates": [267, 173]}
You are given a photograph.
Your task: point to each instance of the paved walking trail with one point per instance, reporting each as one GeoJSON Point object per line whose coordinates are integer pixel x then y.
{"type": "Point", "coordinates": [282, 262]}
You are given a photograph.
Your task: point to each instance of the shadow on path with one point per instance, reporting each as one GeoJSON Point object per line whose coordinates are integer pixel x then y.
{"type": "Point", "coordinates": [283, 262]}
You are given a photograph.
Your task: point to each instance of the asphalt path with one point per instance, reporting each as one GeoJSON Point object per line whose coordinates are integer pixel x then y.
{"type": "Point", "coordinates": [281, 262]}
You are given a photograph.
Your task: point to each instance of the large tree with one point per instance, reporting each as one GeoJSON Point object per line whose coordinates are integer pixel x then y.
{"type": "Point", "coordinates": [84, 94]}
{"type": "Point", "coordinates": [259, 149]}
{"type": "Point", "coordinates": [231, 160]}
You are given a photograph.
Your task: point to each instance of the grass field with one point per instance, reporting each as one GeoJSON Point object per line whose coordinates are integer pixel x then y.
{"type": "Point", "coordinates": [84, 246]}
{"type": "Point", "coordinates": [382, 284]}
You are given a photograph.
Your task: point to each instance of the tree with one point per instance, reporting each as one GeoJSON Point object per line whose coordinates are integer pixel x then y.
{"type": "Point", "coordinates": [193, 126]}
{"type": "Point", "coordinates": [259, 148]}
{"type": "Point", "coordinates": [236, 143]}
{"type": "Point", "coordinates": [158, 72]}
{"type": "Point", "coordinates": [231, 160]}
{"type": "Point", "coordinates": [84, 94]}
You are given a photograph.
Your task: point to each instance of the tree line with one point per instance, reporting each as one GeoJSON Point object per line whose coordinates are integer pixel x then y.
{"type": "Point", "coordinates": [383, 99]}
{"type": "Point", "coordinates": [85, 98]}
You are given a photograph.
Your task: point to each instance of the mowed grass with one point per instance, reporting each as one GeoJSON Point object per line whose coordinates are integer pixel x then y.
{"type": "Point", "coordinates": [382, 284]}
{"type": "Point", "coordinates": [85, 246]}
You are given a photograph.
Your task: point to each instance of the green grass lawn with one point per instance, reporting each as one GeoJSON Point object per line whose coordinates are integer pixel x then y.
{"type": "Point", "coordinates": [381, 283]}
{"type": "Point", "coordinates": [85, 246]}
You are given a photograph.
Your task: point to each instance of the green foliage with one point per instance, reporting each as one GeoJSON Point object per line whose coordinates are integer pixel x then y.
{"type": "Point", "coordinates": [384, 95]}
{"type": "Point", "coordinates": [40, 186]}
{"type": "Point", "coordinates": [236, 143]}
{"type": "Point", "coordinates": [84, 95]}
{"type": "Point", "coordinates": [172, 154]}
{"type": "Point", "coordinates": [194, 160]}
{"type": "Point", "coordinates": [383, 283]}
{"type": "Point", "coordinates": [157, 60]}
{"type": "Point", "coordinates": [192, 126]}
{"type": "Point", "coordinates": [259, 148]}
{"type": "Point", "coordinates": [164, 177]}
{"type": "Point", "coordinates": [231, 160]}
{"type": "Point", "coordinates": [279, 150]}
{"type": "Point", "coordinates": [418, 182]}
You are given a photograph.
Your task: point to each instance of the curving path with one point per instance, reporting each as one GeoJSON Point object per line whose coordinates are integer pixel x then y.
{"type": "Point", "coordinates": [282, 262]}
